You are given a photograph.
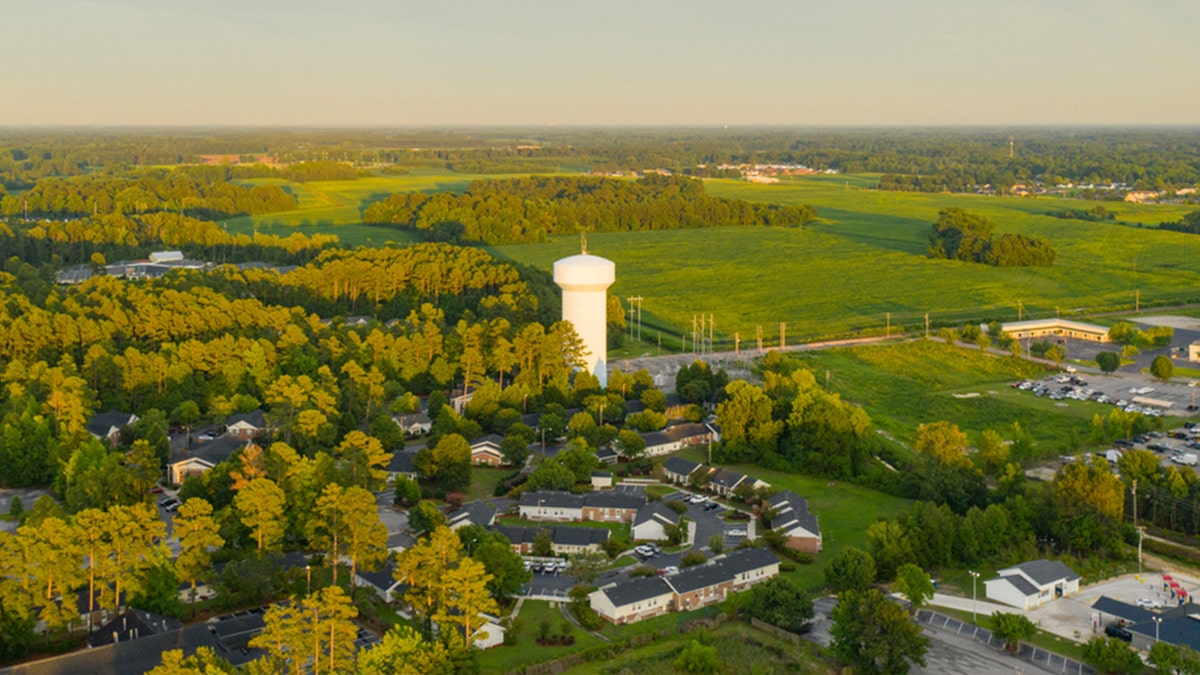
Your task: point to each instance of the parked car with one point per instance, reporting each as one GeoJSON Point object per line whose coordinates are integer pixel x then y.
{"type": "Point", "coordinates": [669, 570]}
{"type": "Point", "coordinates": [1118, 632]}
{"type": "Point", "coordinates": [167, 501]}
{"type": "Point", "coordinates": [1149, 603]}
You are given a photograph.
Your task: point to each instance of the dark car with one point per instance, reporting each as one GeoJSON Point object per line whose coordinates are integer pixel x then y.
{"type": "Point", "coordinates": [1123, 443]}
{"type": "Point", "coordinates": [1118, 632]}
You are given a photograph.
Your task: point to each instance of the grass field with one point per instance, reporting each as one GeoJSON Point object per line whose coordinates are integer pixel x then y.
{"type": "Point", "coordinates": [864, 258]}
{"type": "Point", "coordinates": [902, 386]}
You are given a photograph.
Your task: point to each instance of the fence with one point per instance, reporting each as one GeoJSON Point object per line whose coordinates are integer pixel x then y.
{"type": "Point", "coordinates": [778, 632]}
{"type": "Point", "coordinates": [1027, 652]}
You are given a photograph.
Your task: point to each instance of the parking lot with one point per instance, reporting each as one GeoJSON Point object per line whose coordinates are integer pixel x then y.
{"type": "Point", "coordinates": [1073, 617]}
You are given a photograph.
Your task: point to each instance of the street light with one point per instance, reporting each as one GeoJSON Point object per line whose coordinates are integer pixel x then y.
{"type": "Point", "coordinates": [308, 582]}
{"type": "Point", "coordinates": [1157, 621]}
{"type": "Point", "coordinates": [974, 594]}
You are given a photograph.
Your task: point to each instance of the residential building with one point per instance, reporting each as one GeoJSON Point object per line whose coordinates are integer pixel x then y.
{"type": "Point", "coordinates": [603, 506]}
{"type": "Point", "coordinates": [677, 470]}
{"type": "Point", "coordinates": [107, 425]}
{"type": "Point", "coordinates": [564, 540]}
{"type": "Point", "coordinates": [414, 424]}
{"type": "Point", "coordinates": [651, 521]}
{"type": "Point", "coordinates": [475, 513]}
{"type": "Point", "coordinates": [793, 520]}
{"type": "Point", "coordinates": [402, 463]}
{"type": "Point", "coordinates": [245, 426]}
{"type": "Point", "coordinates": [677, 437]}
{"type": "Point", "coordinates": [602, 480]}
{"type": "Point", "coordinates": [634, 600]}
{"type": "Point", "coordinates": [201, 457]}
{"type": "Point", "coordinates": [485, 451]}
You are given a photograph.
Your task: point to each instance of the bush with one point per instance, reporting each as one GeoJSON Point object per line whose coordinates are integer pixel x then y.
{"type": "Point", "coordinates": [675, 505]}
{"type": "Point", "coordinates": [692, 558]}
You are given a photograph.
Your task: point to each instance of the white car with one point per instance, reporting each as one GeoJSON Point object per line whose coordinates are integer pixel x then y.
{"type": "Point", "coordinates": [1149, 603]}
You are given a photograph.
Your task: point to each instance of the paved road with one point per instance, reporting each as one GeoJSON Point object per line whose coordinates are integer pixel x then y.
{"type": "Point", "coordinates": [951, 654]}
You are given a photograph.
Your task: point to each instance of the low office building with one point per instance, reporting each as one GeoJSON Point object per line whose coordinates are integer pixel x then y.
{"type": "Point", "coordinates": [1040, 328]}
{"type": "Point", "coordinates": [1032, 584]}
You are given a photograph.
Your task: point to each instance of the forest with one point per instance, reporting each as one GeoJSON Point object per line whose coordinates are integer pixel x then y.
{"type": "Point", "coordinates": [961, 235]}
{"type": "Point", "coordinates": [530, 209]}
{"type": "Point", "coordinates": [937, 160]}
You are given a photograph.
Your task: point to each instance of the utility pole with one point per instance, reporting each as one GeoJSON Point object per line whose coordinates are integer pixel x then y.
{"type": "Point", "coordinates": [760, 339]}
{"type": "Point", "coordinates": [926, 325]}
{"type": "Point", "coordinates": [1020, 311]}
{"type": "Point", "coordinates": [693, 333]}
{"type": "Point", "coordinates": [1137, 301]}
{"type": "Point", "coordinates": [782, 329]}
{"type": "Point", "coordinates": [638, 299]}
{"type": "Point", "coordinates": [1135, 525]}
{"type": "Point", "coordinates": [888, 333]}
{"type": "Point", "coordinates": [737, 341]}
{"type": "Point", "coordinates": [711, 323]}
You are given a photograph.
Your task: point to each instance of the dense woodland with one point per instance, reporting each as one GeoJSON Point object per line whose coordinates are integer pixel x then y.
{"type": "Point", "coordinates": [933, 160]}
{"type": "Point", "coordinates": [529, 209]}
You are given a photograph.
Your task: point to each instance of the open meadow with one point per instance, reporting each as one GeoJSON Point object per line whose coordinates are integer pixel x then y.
{"type": "Point", "coordinates": [844, 274]}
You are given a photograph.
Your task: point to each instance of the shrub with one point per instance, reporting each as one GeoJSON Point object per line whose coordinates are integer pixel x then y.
{"type": "Point", "coordinates": [692, 558]}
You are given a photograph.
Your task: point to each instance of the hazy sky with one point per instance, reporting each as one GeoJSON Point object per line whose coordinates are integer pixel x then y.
{"type": "Point", "coordinates": [641, 62]}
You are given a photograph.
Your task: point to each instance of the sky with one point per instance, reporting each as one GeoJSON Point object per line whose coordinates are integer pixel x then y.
{"type": "Point", "coordinates": [599, 62]}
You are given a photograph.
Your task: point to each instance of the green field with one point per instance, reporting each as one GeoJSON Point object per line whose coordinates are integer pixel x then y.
{"type": "Point", "coordinates": [864, 258]}
{"type": "Point", "coordinates": [905, 385]}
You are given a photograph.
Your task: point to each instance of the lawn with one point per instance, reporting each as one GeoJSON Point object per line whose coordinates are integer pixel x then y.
{"type": "Point", "coordinates": [506, 659]}
{"type": "Point", "coordinates": [904, 385]}
{"type": "Point", "coordinates": [845, 511]}
{"type": "Point", "coordinates": [484, 482]}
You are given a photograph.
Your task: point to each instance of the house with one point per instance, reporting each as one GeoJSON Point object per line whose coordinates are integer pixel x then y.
{"type": "Point", "coordinates": [634, 600]}
{"type": "Point", "coordinates": [402, 463]}
{"type": "Point", "coordinates": [414, 424]}
{"type": "Point", "coordinates": [724, 481]}
{"type": "Point", "coordinates": [1032, 584]}
{"type": "Point", "coordinates": [677, 437]}
{"type": "Point", "coordinates": [245, 426]}
{"type": "Point", "coordinates": [564, 540]}
{"type": "Point", "coordinates": [201, 457]}
{"type": "Point", "coordinates": [606, 506]}
{"type": "Point", "coordinates": [710, 583]}
{"type": "Point", "coordinates": [548, 505]}
{"type": "Point", "coordinates": [381, 581]}
{"type": "Point", "coordinates": [610, 506]}
{"type": "Point", "coordinates": [485, 451]}
{"type": "Point", "coordinates": [475, 513]}
{"type": "Point", "coordinates": [107, 425]}
{"type": "Point", "coordinates": [398, 542]}
{"type": "Point", "coordinates": [489, 634]}
{"type": "Point", "coordinates": [602, 480]}
{"type": "Point", "coordinates": [606, 455]}
{"type": "Point", "coordinates": [677, 470]}
{"type": "Point", "coordinates": [131, 625]}
{"type": "Point", "coordinates": [651, 521]}
{"type": "Point", "coordinates": [793, 520]}
{"type": "Point", "coordinates": [694, 587]}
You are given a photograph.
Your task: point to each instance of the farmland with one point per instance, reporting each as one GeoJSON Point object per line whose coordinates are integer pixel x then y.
{"type": "Point", "coordinates": [863, 260]}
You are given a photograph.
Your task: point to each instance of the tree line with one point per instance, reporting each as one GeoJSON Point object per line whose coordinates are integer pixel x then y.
{"type": "Point", "coordinates": [529, 209]}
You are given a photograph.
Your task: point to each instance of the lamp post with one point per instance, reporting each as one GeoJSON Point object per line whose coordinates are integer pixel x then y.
{"type": "Point", "coordinates": [308, 580]}
{"type": "Point", "coordinates": [974, 594]}
{"type": "Point", "coordinates": [1157, 621]}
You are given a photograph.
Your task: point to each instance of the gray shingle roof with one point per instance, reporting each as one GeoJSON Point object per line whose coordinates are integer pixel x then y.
{"type": "Point", "coordinates": [1131, 613]}
{"type": "Point", "coordinates": [101, 423]}
{"type": "Point", "coordinates": [656, 510]}
{"type": "Point", "coordinates": [255, 418]}
{"type": "Point", "coordinates": [636, 590]}
{"type": "Point", "coordinates": [727, 478]}
{"type": "Point", "coordinates": [614, 500]}
{"type": "Point", "coordinates": [1047, 571]}
{"type": "Point", "coordinates": [680, 466]}
{"type": "Point", "coordinates": [214, 452]}
{"type": "Point", "coordinates": [722, 569]}
{"type": "Point", "coordinates": [403, 461]}
{"type": "Point", "coordinates": [478, 513]}
{"type": "Point", "coordinates": [552, 499]}
{"type": "Point", "coordinates": [1019, 582]}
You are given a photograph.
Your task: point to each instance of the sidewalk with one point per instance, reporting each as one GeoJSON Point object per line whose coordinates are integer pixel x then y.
{"type": "Point", "coordinates": [981, 607]}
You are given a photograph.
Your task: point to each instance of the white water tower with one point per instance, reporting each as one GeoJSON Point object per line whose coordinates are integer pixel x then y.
{"type": "Point", "coordinates": [584, 280]}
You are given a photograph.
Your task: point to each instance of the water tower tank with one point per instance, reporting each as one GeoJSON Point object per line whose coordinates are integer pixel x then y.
{"type": "Point", "coordinates": [584, 280]}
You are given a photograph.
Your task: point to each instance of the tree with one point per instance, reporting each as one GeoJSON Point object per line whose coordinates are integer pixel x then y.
{"type": "Point", "coordinates": [315, 635]}
{"type": "Point", "coordinates": [915, 584]}
{"type": "Point", "coordinates": [402, 651]}
{"type": "Point", "coordinates": [716, 543]}
{"type": "Point", "coordinates": [159, 590]}
{"type": "Point", "coordinates": [363, 460]}
{"type": "Point", "coordinates": [587, 565]}
{"type": "Point", "coordinates": [1108, 361]}
{"type": "Point", "coordinates": [204, 662]}
{"type": "Point", "coordinates": [889, 547]}
{"type": "Point", "coordinates": [1111, 655]}
{"type": "Point", "coordinates": [425, 517]}
{"type": "Point", "coordinates": [1171, 659]}
{"type": "Point", "coordinates": [508, 571]}
{"type": "Point", "coordinates": [698, 658]}
{"type": "Point", "coordinates": [748, 428]}
{"type": "Point", "coordinates": [1056, 353]}
{"type": "Point", "coordinates": [780, 602]}
{"type": "Point", "coordinates": [464, 596]}
{"type": "Point", "coordinates": [944, 442]}
{"type": "Point", "coordinates": [630, 444]}
{"type": "Point", "coordinates": [852, 569]}
{"type": "Point", "coordinates": [365, 535]}
{"type": "Point", "coordinates": [448, 464]}
{"type": "Point", "coordinates": [1162, 368]}
{"type": "Point", "coordinates": [198, 533]}
{"type": "Point", "coordinates": [423, 566]}
{"type": "Point", "coordinates": [1012, 628]}
{"type": "Point", "coordinates": [260, 505]}
{"type": "Point", "coordinates": [874, 634]}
